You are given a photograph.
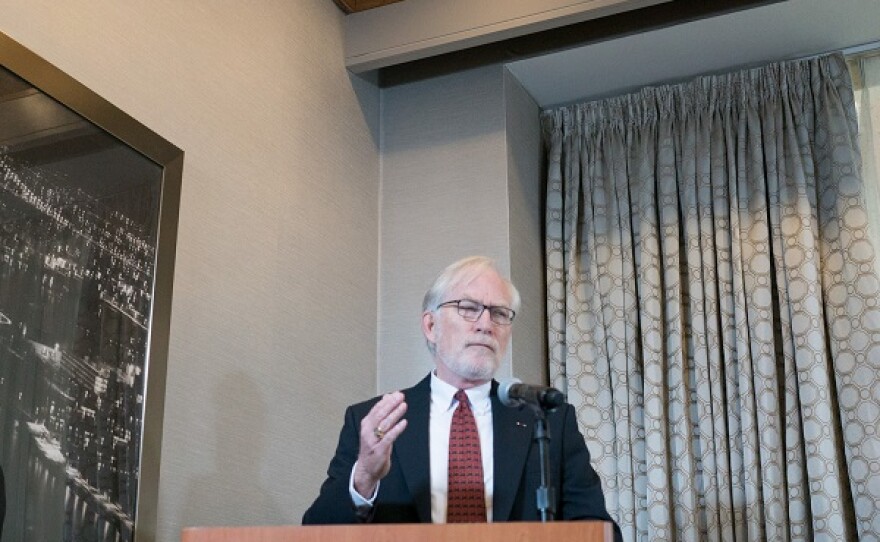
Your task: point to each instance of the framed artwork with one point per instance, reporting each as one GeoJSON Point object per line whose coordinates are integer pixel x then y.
{"type": "Point", "coordinates": [89, 200]}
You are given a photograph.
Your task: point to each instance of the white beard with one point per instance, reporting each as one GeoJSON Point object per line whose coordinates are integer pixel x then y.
{"type": "Point", "coordinates": [470, 370]}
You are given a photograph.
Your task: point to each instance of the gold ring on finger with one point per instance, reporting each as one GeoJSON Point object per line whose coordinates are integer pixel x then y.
{"type": "Point", "coordinates": [379, 432]}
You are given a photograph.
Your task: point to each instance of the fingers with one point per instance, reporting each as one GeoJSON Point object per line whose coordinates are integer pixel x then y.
{"type": "Point", "coordinates": [385, 443]}
{"type": "Point", "coordinates": [384, 415]}
{"type": "Point", "coordinates": [379, 429]}
{"type": "Point", "coordinates": [382, 425]}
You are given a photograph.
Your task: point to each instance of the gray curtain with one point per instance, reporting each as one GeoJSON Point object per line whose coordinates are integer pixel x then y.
{"type": "Point", "coordinates": [713, 304]}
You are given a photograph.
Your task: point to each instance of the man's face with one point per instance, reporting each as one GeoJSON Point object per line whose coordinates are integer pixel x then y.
{"type": "Point", "coordinates": [468, 353]}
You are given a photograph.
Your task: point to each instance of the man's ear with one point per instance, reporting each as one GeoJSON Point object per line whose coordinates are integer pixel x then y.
{"type": "Point", "coordinates": [428, 326]}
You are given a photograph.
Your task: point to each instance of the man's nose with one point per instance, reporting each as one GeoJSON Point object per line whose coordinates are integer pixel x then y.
{"type": "Point", "coordinates": [484, 322]}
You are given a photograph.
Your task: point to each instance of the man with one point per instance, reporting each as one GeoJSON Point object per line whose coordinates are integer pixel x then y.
{"type": "Point", "coordinates": [397, 458]}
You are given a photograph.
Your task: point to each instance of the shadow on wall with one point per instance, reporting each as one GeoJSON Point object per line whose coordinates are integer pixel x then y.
{"type": "Point", "coordinates": [231, 492]}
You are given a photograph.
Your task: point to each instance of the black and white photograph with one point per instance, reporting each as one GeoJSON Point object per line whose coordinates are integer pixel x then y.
{"type": "Point", "coordinates": [79, 223]}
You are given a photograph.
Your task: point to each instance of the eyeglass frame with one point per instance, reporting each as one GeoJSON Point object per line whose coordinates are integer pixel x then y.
{"type": "Point", "coordinates": [483, 308]}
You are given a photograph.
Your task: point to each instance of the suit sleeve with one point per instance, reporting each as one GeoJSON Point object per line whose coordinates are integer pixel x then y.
{"type": "Point", "coordinates": [582, 496]}
{"type": "Point", "coordinates": [334, 504]}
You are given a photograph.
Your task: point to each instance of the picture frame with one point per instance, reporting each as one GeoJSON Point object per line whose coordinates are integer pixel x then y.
{"type": "Point", "coordinates": [89, 201]}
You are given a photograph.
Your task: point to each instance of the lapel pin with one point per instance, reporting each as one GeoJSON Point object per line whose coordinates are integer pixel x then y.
{"type": "Point", "coordinates": [521, 424]}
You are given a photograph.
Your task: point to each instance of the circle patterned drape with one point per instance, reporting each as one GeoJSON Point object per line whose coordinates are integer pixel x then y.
{"type": "Point", "coordinates": [713, 305]}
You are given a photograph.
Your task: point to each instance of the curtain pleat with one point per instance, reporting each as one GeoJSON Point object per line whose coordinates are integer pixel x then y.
{"type": "Point", "coordinates": [713, 304]}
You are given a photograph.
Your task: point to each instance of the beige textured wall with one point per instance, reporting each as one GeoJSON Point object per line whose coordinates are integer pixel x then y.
{"type": "Point", "coordinates": [525, 194]}
{"type": "Point", "coordinates": [443, 197]}
{"type": "Point", "coordinates": [456, 182]}
{"type": "Point", "coordinates": [274, 314]}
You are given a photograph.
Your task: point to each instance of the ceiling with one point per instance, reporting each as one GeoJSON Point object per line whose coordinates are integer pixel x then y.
{"type": "Point", "coordinates": [779, 31]}
{"type": "Point", "coordinates": [352, 6]}
{"type": "Point", "coordinates": [663, 43]}
{"type": "Point", "coordinates": [538, 43]}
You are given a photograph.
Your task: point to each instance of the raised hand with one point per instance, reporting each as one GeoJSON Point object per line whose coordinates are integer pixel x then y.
{"type": "Point", "coordinates": [379, 429]}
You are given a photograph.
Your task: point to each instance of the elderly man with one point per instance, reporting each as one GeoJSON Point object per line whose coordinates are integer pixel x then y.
{"type": "Point", "coordinates": [447, 450]}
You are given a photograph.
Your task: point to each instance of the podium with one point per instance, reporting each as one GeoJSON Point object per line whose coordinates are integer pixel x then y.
{"type": "Point", "coordinates": [560, 531]}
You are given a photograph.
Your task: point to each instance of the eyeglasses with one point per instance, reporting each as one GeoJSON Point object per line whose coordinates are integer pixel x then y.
{"type": "Point", "coordinates": [471, 311]}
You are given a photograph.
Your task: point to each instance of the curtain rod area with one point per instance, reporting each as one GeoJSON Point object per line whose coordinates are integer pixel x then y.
{"type": "Point", "coordinates": [854, 50]}
{"type": "Point", "coordinates": [850, 53]}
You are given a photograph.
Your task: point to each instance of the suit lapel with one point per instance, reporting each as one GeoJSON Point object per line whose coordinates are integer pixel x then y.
{"type": "Point", "coordinates": [512, 432]}
{"type": "Point", "coordinates": [411, 448]}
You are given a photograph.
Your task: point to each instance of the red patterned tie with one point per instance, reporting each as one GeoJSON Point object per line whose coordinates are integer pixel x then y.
{"type": "Point", "coordinates": [465, 500]}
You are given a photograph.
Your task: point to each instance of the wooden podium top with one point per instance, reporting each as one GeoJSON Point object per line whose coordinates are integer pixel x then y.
{"type": "Point", "coordinates": [561, 531]}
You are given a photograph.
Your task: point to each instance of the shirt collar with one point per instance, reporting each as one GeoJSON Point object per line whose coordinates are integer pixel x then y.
{"type": "Point", "coordinates": [442, 394]}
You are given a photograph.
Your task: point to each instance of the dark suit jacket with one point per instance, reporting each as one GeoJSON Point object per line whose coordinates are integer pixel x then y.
{"type": "Point", "coordinates": [405, 493]}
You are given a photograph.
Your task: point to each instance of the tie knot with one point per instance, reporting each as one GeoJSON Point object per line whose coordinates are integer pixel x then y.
{"type": "Point", "coordinates": [462, 398]}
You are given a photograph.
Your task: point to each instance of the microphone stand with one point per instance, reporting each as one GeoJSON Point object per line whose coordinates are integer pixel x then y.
{"type": "Point", "coordinates": [546, 497]}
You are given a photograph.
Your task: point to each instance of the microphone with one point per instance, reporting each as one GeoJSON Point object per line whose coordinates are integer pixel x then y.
{"type": "Point", "coordinates": [513, 393]}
